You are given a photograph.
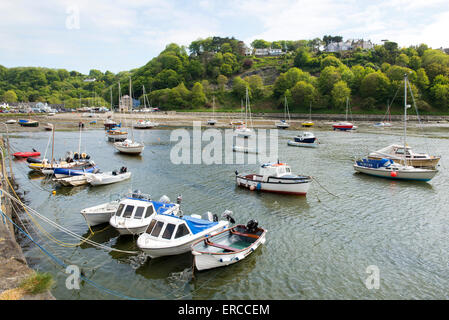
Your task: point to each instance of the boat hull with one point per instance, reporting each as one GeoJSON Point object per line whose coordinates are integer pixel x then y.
{"type": "Point", "coordinates": [275, 185]}
{"type": "Point", "coordinates": [26, 154]}
{"type": "Point", "coordinates": [129, 150]}
{"type": "Point", "coordinates": [416, 175]}
{"type": "Point", "coordinates": [343, 127]}
{"type": "Point", "coordinates": [301, 144]}
{"type": "Point", "coordinates": [305, 140]}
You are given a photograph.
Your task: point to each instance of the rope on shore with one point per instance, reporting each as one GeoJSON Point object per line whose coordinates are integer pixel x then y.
{"type": "Point", "coordinates": [65, 230]}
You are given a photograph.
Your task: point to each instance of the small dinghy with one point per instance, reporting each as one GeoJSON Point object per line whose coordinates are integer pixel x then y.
{"type": "Point", "coordinates": [72, 181]}
{"type": "Point", "coordinates": [116, 135]}
{"type": "Point", "coordinates": [11, 121]}
{"type": "Point", "coordinates": [108, 177]}
{"type": "Point", "coordinates": [228, 246]}
{"type": "Point", "coordinates": [48, 127]}
{"type": "Point", "coordinates": [27, 154]}
{"type": "Point", "coordinates": [274, 177]}
{"type": "Point", "coordinates": [145, 124]}
{"type": "Point", "coordinates": [169, 235]}
{"type": "Point", "coordinates": [100, 214]}
{"type": "Point", "coordinates": [302, 144]}
{"type": "Point", "coordinates": [236, 148]}
{"type": "Point", "coordinates": [135, 213]}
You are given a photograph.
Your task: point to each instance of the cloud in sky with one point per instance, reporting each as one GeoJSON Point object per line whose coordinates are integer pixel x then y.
{"type": "Point", "coordinates": [120, 35]}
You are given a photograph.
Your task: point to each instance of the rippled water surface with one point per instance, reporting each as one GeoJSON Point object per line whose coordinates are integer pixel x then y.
{"type": "Point", "coordinates": [318, 247]}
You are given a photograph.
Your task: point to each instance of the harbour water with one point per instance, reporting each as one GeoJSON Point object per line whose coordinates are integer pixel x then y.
{"type": "Point", "coordinates": [318, 246]}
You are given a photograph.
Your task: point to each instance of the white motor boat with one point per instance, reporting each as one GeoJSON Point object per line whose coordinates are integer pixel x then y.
{"type": "Point", "coordinates": [108, 177]}
{"type": "Point", "coordinates": [275, 177]}
{"type": "Point", "coordinates": [228, 246]}
{"type": "Point", "coordinates": [386, 168]}
{"type": "Point", "coordinates": [101, 213]}
{"type": "Point", "coordinates": [10, 121]}
{"type": "Point", "coordinates": [171, 235]}
{"type": "Point", "coordinates": [130, 147]}
{"type": "Point", "coordinates": [134, 214]}
{"type": "Point", "coordinates": [282, 124]}
{"type": "Point", "coordinates": [145, 124]}
{"type": "Point", "coordinates": [116, 135]}
{"type": "Point", "coordinates": [302, 144]}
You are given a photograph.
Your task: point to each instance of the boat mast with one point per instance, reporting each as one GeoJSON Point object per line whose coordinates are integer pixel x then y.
{"type": "Point", "coordinates": [347, 104]}
{"type": "Point", "coordinates": [111, 96]}
{"type": "Point", "coordinates": [213, 107]}
{"type": "Point", "coordinates": [131, 106]}
{"type": "Point", "coordinates": [405, 118]}
{"type": "Point", "coordinates": [53, 146]}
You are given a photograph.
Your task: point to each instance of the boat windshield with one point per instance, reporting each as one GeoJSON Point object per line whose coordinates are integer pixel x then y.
{"type": "Point", "coordinates": [168, 232]}
{"type": "Point", "coordinates": [157, 229]}
{"type": "Point", "coordinates": [128, 211]}
{"type": "Point", "coordinates": [181, 231]}
{"type": "Point", "coordinates": [149, 212]}
{"type": "Point", "coordinates": [150, 227]}
{"type": "Point", "coordinates": [139, 212]}
{"type": "Point", "coordinates": [118, 213]}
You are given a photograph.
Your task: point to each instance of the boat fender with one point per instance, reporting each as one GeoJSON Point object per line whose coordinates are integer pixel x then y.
{"type": "Point", "coordinates": [394, 174]}
{"type": "Point", "coordinates": [259, 186]}
{"type": "Point", "coordinates": [252, 188]}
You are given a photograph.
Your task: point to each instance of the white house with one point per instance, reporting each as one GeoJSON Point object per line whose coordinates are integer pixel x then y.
{"type": "Point", "coordinates": [125, 104]}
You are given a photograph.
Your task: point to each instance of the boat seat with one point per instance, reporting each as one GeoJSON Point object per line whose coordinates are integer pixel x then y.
{"type": "Point", "coordinates": [255, 236]}
{"type": "Point", "coordinates": [222, 246]}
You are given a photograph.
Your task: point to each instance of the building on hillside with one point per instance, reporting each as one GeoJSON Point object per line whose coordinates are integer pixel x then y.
{"type": "Point", "coordinates": [268, 52]}
{"type": "Point", "coordinates": [348, 45]}
{"type": "Point", "coordinates": [125, 104]}
{"type": "Point", "coordinates": [248, 51]}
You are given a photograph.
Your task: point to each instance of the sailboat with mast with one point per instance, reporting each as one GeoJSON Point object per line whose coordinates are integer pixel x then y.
{"type": "Point", "coordinates": [284, 124]}
{"type": "Point", "coordinates": [243, 131]}
{"type": "Point", "coordinates": [116, 134]}
{"type": "Point", "coordinates": [130, 146]}
{"type": "Point", "coordinates": [309, 123]}
{"type": "Point", "coordinates": [387, 168]}
{"type": "Point", "coordinates": [145, 124]}
{"type": "Point", "coordinates": [212, 121]}
{"type": "Point", "coordinates": [344, 125]}
{"type": "Point", "coordinates": [383, 123]}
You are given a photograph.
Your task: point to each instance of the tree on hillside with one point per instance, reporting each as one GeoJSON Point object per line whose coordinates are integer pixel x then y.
{"type": "Point", "coordinates": [222, 81]}
{"type": "Point", "coordinates": [198, 96]}
{"type": "Point", "coordinates": [328, 77]}
{"type": "Point", "coordinates": [375, 85]}
{"type": "Point", "coordinates": [260, 44]}
{"type": "Point", "coordinates": [9, 96]}
{"type": "Point", "coordinates": [303, 94]}
{"type": "Point", "coordinates": [340, 92]}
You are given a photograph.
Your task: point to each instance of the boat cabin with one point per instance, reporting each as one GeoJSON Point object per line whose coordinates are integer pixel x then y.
{"type": "Point", "coordinates": [275, 170]}
{"type": "Point", "coordinates": [133, 208]}
{"type": "Point", "coordinates": [170, 227]}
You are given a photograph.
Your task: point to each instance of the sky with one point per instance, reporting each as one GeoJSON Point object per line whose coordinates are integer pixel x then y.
{"type": "Point", "coordinates": [119, 35]}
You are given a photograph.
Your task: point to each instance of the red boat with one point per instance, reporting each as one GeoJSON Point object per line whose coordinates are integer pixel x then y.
{"type": "Point", "coordinates": [343, 126]}
{"type": "Point", "coordinates": [26, 154]}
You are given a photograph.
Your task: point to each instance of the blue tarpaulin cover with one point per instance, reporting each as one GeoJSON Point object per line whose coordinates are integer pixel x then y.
{"type": "Point", "coordinates": [198, 225]}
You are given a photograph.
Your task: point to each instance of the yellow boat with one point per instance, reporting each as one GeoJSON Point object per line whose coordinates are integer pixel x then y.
{"type": "Point", "coordinates": [307, 124]}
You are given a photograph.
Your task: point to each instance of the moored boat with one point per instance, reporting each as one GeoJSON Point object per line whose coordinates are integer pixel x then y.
{"type": "Point", "coordinates": [109, 177]}
{"type": "Point", "coordinates": [129, 147]}
{"type": "Point", "coordinates": [135, 214]}
{"type": "Point", "coordinates": [29, 123]}
{"type": "Point", "coordinates": [275, 177]}
{"type": "Point", "coordinates": [386, 168]}
{"type": "Point", "coordinates": [302, 144]}
{"type": "Point", "coordinates": [171, 235]}
{"type": "Point", "coordinates": [305, 137]}
{"type": "Point", "coordinates": [228, 246]}
{"type": "Point", "coordinates": [27, 154]}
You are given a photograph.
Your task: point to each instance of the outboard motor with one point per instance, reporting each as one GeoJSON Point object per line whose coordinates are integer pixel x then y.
{"type": "Point", "coordinates": [228, 215]}
{"type": "Point", "coordinates": [252, 225]}
{"type": "Point", "coordinates": [164, 199]}
{"type": "Point", "coordinates": [179, 199]}
{"type": "Point", "coordinates": [114, 173]}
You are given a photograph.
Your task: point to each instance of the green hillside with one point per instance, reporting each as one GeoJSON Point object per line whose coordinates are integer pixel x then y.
{"type": "Point", "coordinates": [186, 78]}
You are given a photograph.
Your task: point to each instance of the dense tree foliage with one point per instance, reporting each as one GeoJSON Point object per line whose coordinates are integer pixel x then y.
{"type": "Point", "coordinates": [187, 77]}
